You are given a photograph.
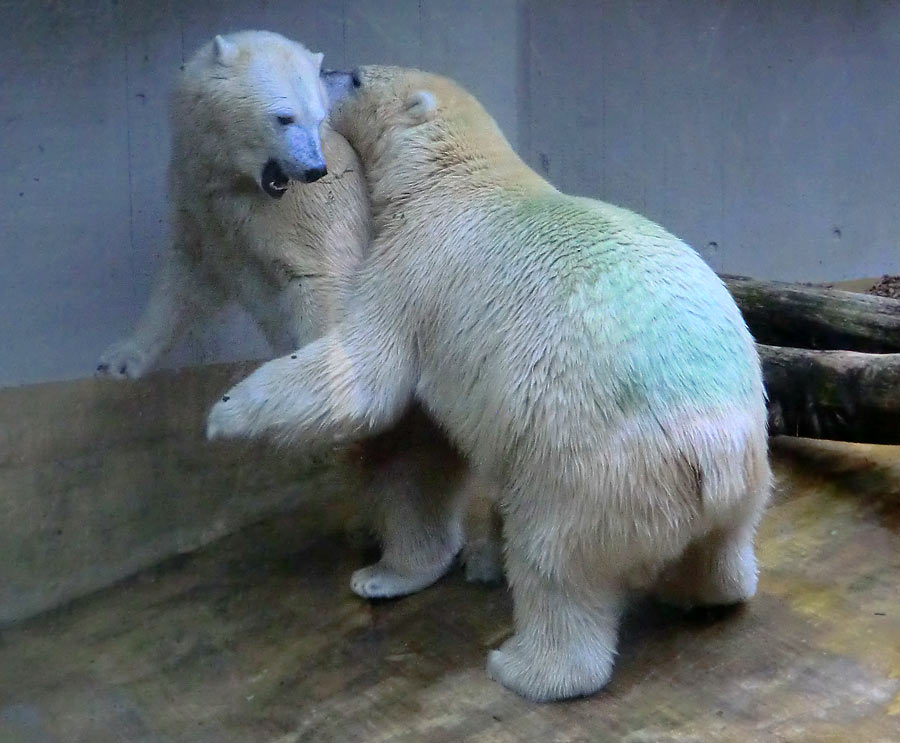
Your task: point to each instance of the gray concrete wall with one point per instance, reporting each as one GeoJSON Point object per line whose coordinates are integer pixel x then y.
{"type": "Point", "coordinates": [765, 133]}
{"type": "Point", "coordinates": [84, 143]}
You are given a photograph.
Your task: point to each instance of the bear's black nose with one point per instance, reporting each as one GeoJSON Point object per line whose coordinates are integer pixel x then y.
{"type": "Point", "coordinates": [354, 78]}
{"type": "Point", "coordinates": [313, 174]}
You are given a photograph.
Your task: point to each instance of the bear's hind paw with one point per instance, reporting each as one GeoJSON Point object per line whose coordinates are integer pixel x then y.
{"type": "Point", "coordinates": [380, 581]}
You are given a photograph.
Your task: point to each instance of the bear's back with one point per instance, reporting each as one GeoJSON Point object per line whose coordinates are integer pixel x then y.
{"type": "Point", "coordinates": [650, 304]}
{"type": "Point", "coordinates": [574, 299]}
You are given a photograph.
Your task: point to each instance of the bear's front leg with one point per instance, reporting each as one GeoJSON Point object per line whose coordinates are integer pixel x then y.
{"type": "Point", "coordinates": [415, 477]}
{"type": "Point", "coordinates": [338, 388]}
{"type": "Point", "coordinates": [183, 293]}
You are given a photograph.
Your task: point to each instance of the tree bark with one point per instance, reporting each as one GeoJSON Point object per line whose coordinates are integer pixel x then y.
{"type": "Point", "coordinates": [839, 395]}
{"type": "Point", "coordinates": [784, 314]}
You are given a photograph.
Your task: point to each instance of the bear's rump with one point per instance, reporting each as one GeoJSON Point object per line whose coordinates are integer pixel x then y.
{"type": "Point", "coordinates": [638, 496]}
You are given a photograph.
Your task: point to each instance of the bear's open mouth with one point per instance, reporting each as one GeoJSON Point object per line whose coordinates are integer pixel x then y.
{"type": "Point", "coordinates": [273, 180]}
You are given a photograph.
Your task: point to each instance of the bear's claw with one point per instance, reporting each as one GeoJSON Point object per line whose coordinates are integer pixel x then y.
{"type": "Point", "coordinates": [123, 360]}
{"type": "Point", "coordinates": [227, 419]}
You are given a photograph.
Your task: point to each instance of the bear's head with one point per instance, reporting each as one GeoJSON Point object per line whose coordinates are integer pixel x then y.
{"type": "Point", "coordinates": [410, 125]}
{"type": "Point", "coordinates": [374, 103]}
{"type": "Point", "coordinates": [250, 105]}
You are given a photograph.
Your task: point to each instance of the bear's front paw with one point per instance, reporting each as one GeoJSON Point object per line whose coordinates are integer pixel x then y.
{"type": "Point", "coordinates": [123, 360]}
{"type": "Point", "coordinates": [232, 417]}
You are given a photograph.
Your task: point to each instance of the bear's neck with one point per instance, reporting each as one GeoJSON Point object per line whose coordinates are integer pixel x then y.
{"type": "Point", "coordinates": [399, 175]}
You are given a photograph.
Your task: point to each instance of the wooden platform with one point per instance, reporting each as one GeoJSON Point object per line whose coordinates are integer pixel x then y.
{"type": "Point", "coordinates": [257, 639]}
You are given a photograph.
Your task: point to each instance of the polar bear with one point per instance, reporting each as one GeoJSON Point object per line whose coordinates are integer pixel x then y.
{"type": "Point", "coordinates": [258, 218]}
{"type": "Point", "coordinates": [583, 358]}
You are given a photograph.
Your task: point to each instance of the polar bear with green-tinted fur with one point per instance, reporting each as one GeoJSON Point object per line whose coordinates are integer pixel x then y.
{"type": "Point", "coordinates": [583, 358]}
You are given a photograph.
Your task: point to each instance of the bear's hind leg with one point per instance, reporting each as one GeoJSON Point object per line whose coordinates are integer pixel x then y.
{"type": "Point", "coordinates": [718, 569]}
{"type": "Point", "coordinates": [483, 558]}
{"type": "Point", "coordinates": [419, 505]}
{"type": "Point", "coordinates": [565, 635]}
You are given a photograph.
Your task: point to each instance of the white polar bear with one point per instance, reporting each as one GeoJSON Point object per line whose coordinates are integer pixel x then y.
{"type": "Point", "coordinates": [247, 120]}
{"type": "Point", "coordinates": [581, 356]}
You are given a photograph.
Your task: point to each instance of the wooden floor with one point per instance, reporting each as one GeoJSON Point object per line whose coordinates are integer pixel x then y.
{"type": "Point", "coordinates": [258, 640]}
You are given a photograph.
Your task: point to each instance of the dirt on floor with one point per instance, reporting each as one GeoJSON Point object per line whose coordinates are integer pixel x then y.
{"type": "Point", "coordinates": [887, 286]}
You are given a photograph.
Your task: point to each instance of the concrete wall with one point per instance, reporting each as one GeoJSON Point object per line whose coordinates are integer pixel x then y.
{"type": "Point", "coordinates": [765, 133]}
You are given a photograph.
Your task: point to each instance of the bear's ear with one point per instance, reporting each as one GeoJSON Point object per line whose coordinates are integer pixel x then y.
{"type": "Point", "coordinates": [225, 51]}
{"type": "Point", "coordinates": [421, 106]}
{"type": "Point", "coordinates": [317, 60]}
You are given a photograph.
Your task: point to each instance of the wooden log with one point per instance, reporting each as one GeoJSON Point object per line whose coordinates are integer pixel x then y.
{"type": "Point", "coordinates": [785, 314]}
{"type": "Point", "coordinates": [839, 395]}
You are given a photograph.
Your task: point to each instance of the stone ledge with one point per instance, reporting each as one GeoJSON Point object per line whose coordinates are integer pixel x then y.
{"type": "Point", "coordinates": [100, 479]}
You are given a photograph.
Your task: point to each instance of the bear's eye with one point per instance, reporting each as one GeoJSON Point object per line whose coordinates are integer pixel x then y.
{"type": "Point", "coordinates": [285, 120]}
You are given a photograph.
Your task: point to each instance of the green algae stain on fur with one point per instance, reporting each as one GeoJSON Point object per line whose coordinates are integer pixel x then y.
{"type": "Point", "coordinates": [666, 329]}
